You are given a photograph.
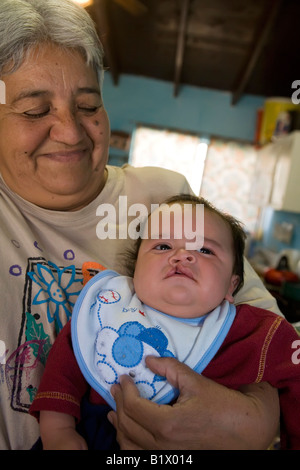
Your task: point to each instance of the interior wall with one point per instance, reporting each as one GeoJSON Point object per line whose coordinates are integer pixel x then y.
{"type": "Point", "coordinates": [271, 219]}
{"type": "Point", "coordinates": [148, 101]}
{"type": "Point", "coordinates": [199, 110]}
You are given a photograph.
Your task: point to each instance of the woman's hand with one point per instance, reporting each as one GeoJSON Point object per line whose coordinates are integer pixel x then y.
{"type": "Point", "coordinates": [206, 415]}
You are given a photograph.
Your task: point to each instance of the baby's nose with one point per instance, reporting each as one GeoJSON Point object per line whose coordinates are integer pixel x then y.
{"type": "Point", "coordinates": [182, 255]}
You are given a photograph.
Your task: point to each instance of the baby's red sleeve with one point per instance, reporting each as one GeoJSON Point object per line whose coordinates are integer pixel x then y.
{"type": "Point", "coordinates": [63, 385]}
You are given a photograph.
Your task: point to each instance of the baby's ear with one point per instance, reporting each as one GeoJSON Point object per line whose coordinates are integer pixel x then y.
{"type": "Point", "coordinates": [235, 279]}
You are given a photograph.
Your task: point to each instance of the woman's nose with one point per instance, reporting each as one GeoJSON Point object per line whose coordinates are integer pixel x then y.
{"type": "Point", "coordinates": [182, 255]}
{"type": "Point", "coordinates": [67, 129]}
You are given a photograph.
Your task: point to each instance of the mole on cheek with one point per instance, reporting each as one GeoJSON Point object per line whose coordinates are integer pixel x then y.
{"type": "Point", "coordinates": [96, 123]}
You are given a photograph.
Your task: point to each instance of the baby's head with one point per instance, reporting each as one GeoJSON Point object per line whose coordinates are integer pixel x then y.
{"type": "Point", "coordinates": [189, 282]}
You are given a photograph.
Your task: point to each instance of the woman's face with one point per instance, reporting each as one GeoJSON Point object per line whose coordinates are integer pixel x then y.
{"type": "Point", "coordinates": [54, 130]}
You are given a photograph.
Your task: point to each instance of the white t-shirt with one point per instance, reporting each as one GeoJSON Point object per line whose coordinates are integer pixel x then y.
{"type": "Point", "coordinates": [42, 252]}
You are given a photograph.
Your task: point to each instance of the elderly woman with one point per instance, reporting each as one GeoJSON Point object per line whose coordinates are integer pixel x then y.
{"type": "Point", "coordinates": [56, 188]}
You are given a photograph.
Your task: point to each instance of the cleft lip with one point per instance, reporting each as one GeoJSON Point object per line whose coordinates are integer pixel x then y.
{"type": "Point", "coordinates": [180, 270]}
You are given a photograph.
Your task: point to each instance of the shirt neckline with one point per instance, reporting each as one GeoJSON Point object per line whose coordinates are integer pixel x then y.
{"type": "Point", "coordinates": [63, 218]}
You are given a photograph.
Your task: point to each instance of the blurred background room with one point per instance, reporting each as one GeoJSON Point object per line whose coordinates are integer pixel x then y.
{"type": "Point", "coordinates": [211, 88]}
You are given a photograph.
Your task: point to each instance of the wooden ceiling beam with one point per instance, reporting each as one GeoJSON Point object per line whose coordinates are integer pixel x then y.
{"type": "Point", "coordinates": [181, 45]}
{"type": "Point", "coordinates": [271, 14]}
{"type": "Point", "coordinates": [102, 18]}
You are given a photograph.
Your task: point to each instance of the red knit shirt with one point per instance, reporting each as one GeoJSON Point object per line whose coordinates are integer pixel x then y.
{"type": "Point", "coordinates": [260, 347]}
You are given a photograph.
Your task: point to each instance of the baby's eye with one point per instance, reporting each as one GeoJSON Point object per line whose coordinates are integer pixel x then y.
{"type": "Point", "coordinates": [205, 251]}
{"type": "Point", "coordinates": [162, 247]}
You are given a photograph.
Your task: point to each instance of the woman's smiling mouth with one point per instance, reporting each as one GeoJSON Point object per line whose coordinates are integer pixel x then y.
{"type": "Point", "coordinates": [65, 156]}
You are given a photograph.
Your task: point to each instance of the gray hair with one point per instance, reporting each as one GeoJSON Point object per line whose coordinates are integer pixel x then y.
{"type": "Point", "coordinates": [25, 24]}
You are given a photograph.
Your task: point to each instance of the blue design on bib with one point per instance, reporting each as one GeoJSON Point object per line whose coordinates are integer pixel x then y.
{"type": "Point", "coordinates": [127, 351]}
{"type": "Point", "coordinates": [125, 347]}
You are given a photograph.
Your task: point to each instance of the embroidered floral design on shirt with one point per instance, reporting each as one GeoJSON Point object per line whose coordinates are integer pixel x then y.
{"type": "Point", "coordinates": [56, 290]}
{"type": "Point", "coordinates": [45, 285]}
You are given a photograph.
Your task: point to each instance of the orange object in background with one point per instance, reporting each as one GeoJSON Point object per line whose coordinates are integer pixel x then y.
{"type": "Point", "coordinates": [278, 277]}
{"type": "Point", "coordinates": [281, 274]}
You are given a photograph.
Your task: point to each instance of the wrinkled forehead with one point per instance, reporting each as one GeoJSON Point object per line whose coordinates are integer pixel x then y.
{"type": "Point", "coordinates": [52, 70]}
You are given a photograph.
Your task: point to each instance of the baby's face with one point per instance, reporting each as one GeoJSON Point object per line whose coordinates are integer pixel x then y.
{"type": "Point", "coordinates": [185, 282]}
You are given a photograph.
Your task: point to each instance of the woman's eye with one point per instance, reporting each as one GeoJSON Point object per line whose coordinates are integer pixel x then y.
{"type": "Point", "coordinates": [89, 109]}
{"type": "Point", "coordinates": [37, 114]}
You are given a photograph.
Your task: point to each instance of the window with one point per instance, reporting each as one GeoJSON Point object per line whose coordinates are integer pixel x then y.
{"type": "Point", "coordinates": [228, 177]}
{"type": "Point", "coordinates": [221, 171]}
{"type": "Point", "coordinates": [175, 151]}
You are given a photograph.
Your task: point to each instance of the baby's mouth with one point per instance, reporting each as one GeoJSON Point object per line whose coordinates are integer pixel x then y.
{"type": "Point", "coordinates": [181, 271]}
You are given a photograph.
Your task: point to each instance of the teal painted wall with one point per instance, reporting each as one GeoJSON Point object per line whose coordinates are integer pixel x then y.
{"type": "Point", "coordinates": [198, 110]}
{"type": "Point", "coordinates": [208, 112]}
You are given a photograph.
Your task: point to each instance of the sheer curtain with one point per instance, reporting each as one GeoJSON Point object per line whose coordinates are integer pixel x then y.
{"type": "Point", "coordinates": [228, 177]}
{"type": "Point", "coordinates": [172, 150]}
{"type": "Point", "coordinates": [221, 171]}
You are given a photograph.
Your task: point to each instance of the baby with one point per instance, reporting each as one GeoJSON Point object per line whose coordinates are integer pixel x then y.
{"type": "Point", "coordinates": [179, 303]}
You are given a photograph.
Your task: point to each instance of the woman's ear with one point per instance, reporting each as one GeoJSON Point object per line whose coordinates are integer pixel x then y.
{"type": "Point", "coordinates": [235, 279]}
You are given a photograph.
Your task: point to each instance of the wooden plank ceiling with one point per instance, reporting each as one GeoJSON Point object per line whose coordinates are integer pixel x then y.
{"type": "Point", "coordinates": [240, 46]}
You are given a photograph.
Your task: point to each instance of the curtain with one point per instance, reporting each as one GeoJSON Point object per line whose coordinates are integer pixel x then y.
{"type": "Point", "coordinates": [227, 179]}
{"type": "Point", "coordinates": [175, 151]}
{"type": "Point", "coordinates": [222, 171]}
